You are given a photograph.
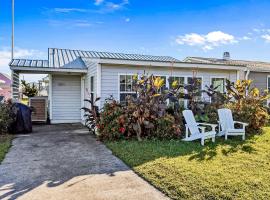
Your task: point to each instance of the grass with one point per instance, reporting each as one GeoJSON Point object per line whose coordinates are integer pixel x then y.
{"type": "Point", "coordinates": [5, 143]}
{"type": "Point", "coordinates": [232, 169]}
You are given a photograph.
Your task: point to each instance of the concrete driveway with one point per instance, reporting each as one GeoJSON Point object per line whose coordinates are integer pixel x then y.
{"type": "Point", "coordinates": [65, 162]}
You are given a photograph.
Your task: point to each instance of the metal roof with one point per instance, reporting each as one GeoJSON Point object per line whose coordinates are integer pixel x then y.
{"type": "Point", "coordinates": [29, 63]}
{"type": "Point", "coordinates": [251, 65]}
{"type": "Point", "coordinates": [61, 57]}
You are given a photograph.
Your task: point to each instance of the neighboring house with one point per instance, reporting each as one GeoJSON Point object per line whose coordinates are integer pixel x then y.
{"type": "Point", "coordinates": [257, 71]}
{"type": "Point", "coordinates": [5, 86]}
{"type": "Point", "coordinates": [74, 74]}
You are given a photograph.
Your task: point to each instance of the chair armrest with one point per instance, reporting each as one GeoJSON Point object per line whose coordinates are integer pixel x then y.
{"type": "Point", "coordinates": [243, 123]}
{"type": "Point", "coordinates": [213, 126]}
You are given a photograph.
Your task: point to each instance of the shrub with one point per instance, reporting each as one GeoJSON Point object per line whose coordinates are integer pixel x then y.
{"type": "Point", "coordinates": [5, 117]}
{"type": "Point", "coordinates": [166, 127]}
{"type": "Point", "coordinates": [112, 123]}
{"type": "Point", "coordinates": [248, 104]}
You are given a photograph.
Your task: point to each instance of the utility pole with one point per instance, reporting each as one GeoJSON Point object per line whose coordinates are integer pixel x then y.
{"type": "Point", "coordinates": [12, 33]}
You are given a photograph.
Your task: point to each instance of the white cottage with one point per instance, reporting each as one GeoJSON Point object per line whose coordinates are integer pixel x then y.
{"type": "Point", "coordinates": [75, 74]}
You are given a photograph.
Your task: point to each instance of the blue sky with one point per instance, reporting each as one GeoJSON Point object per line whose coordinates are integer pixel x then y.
{"type": "Point", "coordinates": [177, 28]}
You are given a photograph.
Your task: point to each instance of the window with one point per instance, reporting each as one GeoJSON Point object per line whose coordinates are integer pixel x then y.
{"type": "Point", "coordinates": [268, 83]}
{"type": "Point", "coordinates": [219, 83]}
{"type": "Point", "coordinates": [126, 88]}
{"type": "Point", "coordinates": [180, 81]}
{"type": "Point", "coordinates": [92, 88]}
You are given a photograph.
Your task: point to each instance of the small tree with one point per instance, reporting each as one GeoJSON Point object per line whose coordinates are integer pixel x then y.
{"type": "Point", "coordinates": [28, 89]}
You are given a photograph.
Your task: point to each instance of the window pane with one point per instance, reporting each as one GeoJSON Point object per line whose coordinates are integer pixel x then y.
{"type": "Point", "coordinates": [129, 88]}
{"type": "Point", "coordinates": [129, 79]}
{"type": "Point", "coordinates": [122, 87]}
{"type": "Point", "coordinates": [123, 97]}
{"type": "Point", "coordinates": [122, 78]}
{"type": "Point", "coordinates": [219, 83]}
{"type": "Point", "coordinates": [92, 83]}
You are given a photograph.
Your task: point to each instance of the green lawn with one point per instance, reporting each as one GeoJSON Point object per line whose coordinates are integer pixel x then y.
{"type": "Point", "coordinates": [5, 143]}
{"type": "Point", "coordinates": [224, 170]}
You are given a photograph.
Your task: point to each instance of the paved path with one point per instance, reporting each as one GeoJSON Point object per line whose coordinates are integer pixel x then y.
{"type": "Point", "coordinates": [65, 162]}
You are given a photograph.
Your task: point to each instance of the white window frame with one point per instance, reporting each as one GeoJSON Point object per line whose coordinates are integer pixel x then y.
{"type": "Point", "coordinates": [224, 77]}
{"type": "Point", "coordinates": [212, 77]}
{"type": "Point", "coordinates": [121, 92]}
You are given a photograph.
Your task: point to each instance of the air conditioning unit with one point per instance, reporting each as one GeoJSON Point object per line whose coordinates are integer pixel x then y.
{"type": "Point", "coordinates": [40, 108]}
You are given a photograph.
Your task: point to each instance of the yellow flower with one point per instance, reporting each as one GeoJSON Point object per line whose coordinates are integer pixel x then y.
{"type": "Point", "coordinates": [238, 82]}
{"type": "Point", "coordinates": [255, 92]}
{"type": "Point", "coordinates": [158, 82]}
{"type": "Point", "coordinates": [135, 77]}
{"type": "Point", "coordinates": [175, 84]}
{"type": "Point", "coordinates": [141, 81]}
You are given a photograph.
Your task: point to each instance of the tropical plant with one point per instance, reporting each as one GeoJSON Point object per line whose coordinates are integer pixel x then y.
{"type": "Point", "coordinates": [28, 89]}
{"type": "Point", "coordinates": [91, 114]}
{"type": "Point", "coordinates": [248, 104]}
{"type": "Point", "coordinates": [149, 105]}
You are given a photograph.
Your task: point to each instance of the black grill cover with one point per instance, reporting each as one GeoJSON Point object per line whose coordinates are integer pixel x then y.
{"type": "Point", "coordinates": [22, 119]}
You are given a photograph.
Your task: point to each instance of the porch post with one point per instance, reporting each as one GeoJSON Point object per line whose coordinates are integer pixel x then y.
{"type": "Point", "coordinates": [15, 78]}
{"type": "Point", "coordinates": [50, 96]}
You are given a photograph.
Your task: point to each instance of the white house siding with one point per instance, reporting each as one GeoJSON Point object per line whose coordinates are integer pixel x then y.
{"type": "Point", "coordinates": [92, 71]}
{"type": "Point", "coordinates": [66, 98]}
{"type": "Point", "coordinates": [110, 76]}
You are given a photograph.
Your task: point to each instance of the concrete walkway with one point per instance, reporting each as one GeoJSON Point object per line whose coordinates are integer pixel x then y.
{"type": "Point", "coordinates": [65, 162]}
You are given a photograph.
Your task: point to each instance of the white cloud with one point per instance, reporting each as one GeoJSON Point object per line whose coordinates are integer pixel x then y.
{"type": "Point", "coordinates": [98, 2]}
{"type": "Point", "coordinates": [266, 37]}
{"type": "Point", "coordinates": [127, 20]}
{"type": "Point", "coordinates": [70, 23]}
{"type": "Point", "coordinates": [208, 41]}
{"type": "Point", "coordinates": [245, 38]}
{"type": "Point", "coordinates": [110, 6]}
{"type": "Point", "coordinates": [68, 10]}
{"type": "Point", "coordinates": [5, 56]}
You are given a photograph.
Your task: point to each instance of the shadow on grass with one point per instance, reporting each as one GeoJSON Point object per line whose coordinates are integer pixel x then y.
{"type": "Point", "coordinates": [135, 153]}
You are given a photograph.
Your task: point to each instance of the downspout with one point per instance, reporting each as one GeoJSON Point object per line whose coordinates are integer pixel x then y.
{"type": "Point", "coordinates": [247, 74]}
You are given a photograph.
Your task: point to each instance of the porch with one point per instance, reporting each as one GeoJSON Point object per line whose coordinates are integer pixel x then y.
{"type": "Point", "coordinates": [66, 88]}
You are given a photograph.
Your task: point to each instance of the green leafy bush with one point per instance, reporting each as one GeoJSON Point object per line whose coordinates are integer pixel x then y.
{"type": "Point", "coordinates": [112, 124]}
{"type": "Point", "coordinates": [166, 127]}
{"type": "Point", "coordinates": [248, 104]}
{"type": "Point", "coordinates": [5, 117]}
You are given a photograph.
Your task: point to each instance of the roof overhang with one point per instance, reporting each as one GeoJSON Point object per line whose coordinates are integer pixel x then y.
{"type": "Point", "coordinates": [187, 65]}
{"type": "Point", "coordinates": [47, 70]}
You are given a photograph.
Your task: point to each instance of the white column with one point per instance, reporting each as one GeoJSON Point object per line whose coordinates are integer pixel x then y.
{"type": "Point", "coordinates": [98, 94]}
{"type": "Point", "coordinates": [50, 97]}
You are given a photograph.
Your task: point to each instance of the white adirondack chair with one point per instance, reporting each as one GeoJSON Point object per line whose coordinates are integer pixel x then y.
{"type": "Point", "coordinates": [196, 130]}
{"type": "Point", "coordinates": [227, 124]}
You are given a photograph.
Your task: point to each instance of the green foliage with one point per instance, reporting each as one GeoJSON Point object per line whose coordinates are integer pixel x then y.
{"type": "Point", "coordinates": [166, 127]}
{"type": "Point", "coordinates": [248, 104]}
{"type": "Point", "coordinates": [112, 124]}
{"type": "Point", "coordinates": [5, 117]}
{"type": "Point", "coordinates": [231, 169]}
{"type": "Point", "coordinates": [28, 89]}
{"type": "Point", "coordinates": [91, 114]}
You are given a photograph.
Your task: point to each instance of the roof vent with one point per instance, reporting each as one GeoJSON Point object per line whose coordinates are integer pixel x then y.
{"type": "Point", "coordinates": [226, 55]}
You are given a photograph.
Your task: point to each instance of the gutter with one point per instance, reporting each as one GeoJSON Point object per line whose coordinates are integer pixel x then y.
{"type": "Point", "coordinates": [247, 74]}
